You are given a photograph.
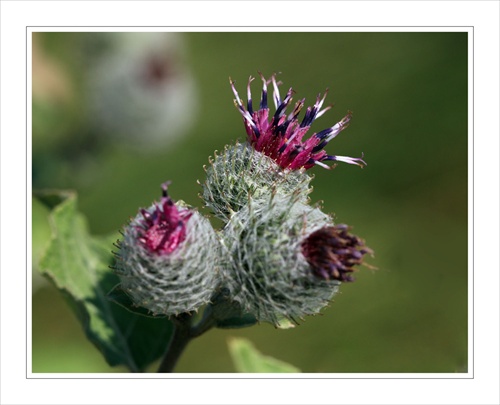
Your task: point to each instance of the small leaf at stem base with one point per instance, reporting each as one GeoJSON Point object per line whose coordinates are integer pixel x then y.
{"type": "Point", "coordinates": [247, 359]}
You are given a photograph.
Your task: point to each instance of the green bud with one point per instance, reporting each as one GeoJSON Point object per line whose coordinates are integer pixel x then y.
{"type": "Point", "coordinates": [267, 273]}
{"type": "Point", "coordinates": [168, 258]}
{"type": "Point", "coordinates": [241, 173]}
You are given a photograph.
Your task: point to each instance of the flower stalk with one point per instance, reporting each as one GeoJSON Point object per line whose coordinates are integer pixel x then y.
{"type": "Point", "coordinates": [178, 342]}
{"type": "Point", "coordinates": [184, 332]}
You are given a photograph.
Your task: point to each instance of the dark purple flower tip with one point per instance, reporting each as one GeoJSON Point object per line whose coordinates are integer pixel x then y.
{"type": "Point", "coordinates": [157, 70]}
{"type": "Point", "coordinates": [332, 252]}
{"type": "Point", "coordinates": [163, 227]}
{"type": "Point", "coordinates": [280, 136]}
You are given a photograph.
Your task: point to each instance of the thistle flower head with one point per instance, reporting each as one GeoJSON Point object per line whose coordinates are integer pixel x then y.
{"type": "Point", "coordinates": [168, 258]}
{"type": "Point", "coordinates": [281, 136]}
{"type": "Point", "coordinates": [267, 274]}
{"type": "Point", "coordinates": [332, 251]}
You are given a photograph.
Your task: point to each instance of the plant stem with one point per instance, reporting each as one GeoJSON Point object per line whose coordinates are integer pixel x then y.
{"type": "Point", "coordinates": [182, 335]}
{"type": "Point", "coordinates": [178, 342]}
{"type": "Point", "coordinates": [206, 323]}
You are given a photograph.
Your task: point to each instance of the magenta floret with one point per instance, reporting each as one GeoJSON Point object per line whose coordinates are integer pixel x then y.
{"type": "Point", "coordinates": [163, 229]}
{"type": "Point", "coordinates": [281, 136]}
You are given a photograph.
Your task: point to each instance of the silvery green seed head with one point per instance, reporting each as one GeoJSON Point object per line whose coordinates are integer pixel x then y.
{"type": "Point", "coordinates": [267, 273]}
{"type": "Point", "coordinates": [241, 173]}
{"type": "Point", "coordinates": [168, 258]}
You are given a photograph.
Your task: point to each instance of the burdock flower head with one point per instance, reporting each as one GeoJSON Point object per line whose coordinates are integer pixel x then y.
{"type": "Point", "coordinates": [275, 158]}
{"type": "Point", "coordinates": [286, 259]}
{"type": "Point", "coordinates": [162, 262]}
{"type": "Point", "coordinates": [281, 136]}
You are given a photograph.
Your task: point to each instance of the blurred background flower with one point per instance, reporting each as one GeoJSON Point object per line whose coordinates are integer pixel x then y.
{"type": "Point", "coordinates": [141, 92]}
{"type": "Point", "coordinates": [408, 95]}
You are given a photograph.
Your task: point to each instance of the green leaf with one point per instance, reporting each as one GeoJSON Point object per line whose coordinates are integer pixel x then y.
{"type": "Point", "coordinates": [78, 265]}
{"type": "Point", "coordinates": [247, 359]}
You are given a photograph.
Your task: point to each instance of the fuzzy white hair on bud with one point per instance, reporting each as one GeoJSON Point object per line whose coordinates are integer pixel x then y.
{"type": "Point", "coordinates": [169, 283]}
{"type": "Point", "coordinates": [241, 174]}
{"type": "Point", "coordinates": [266, 271]}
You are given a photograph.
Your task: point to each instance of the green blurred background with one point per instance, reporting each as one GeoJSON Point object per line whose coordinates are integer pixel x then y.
{"type": "Point", "coordinates": [408, 93]}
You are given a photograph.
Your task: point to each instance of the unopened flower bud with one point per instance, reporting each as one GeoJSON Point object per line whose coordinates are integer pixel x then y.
{"type": "Point", "coordinates": [267, 272]}
{"type": "Point", "coordinates": [168, 258]}
{"type": "Point", "coordinates": [241, 173]}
